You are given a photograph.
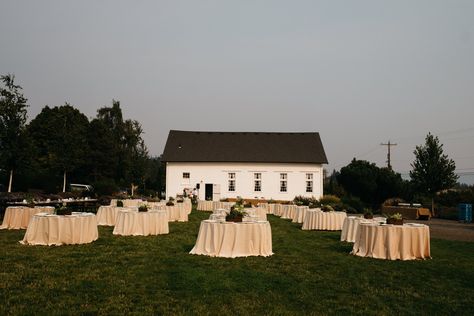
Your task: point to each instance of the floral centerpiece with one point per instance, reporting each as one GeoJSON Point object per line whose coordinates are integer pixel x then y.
{"type": "Point", "coordinates": [143, 208]}
{"type": "Point", "coordinates": [395, 219]}
{"type": "Point", "coordinates": [63, 210]}
{"type": "Point", "coordinates": [119, 203]}
{"type": "Point", "coordinates": [236, 211]}
{"type": "Point", "coordinates": [368, 214]}
{"type": "Point", "coordinates": [170, 202]}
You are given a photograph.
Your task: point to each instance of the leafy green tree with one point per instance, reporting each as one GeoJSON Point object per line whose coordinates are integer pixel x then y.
{"type": "Point", "coordinates": [13, 115]}
{"type": "Point", "coordinates": [129, 148]}
{"type": "Point", "coordinates": [371, 184]}
{"type": "Point", "coordinates": [60, 137]}
{"type": "Point", "coordinates": [432, 170]}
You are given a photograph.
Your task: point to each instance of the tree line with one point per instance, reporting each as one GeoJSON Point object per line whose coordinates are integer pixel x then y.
{"type": "Point", "coordinates": [60, 145]}
{"type": "Point", "coordinates": [363, 184]}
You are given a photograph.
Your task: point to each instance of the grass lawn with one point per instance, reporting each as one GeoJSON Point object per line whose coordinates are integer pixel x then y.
{"type": "Point", "coordinates": [311, 273]}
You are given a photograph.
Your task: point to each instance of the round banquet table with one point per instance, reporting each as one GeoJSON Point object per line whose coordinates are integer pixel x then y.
{"type": "Point", "coordinates": [323, 220]}
{"type": "Point", "coordinates": [78, 228]}
{"type": "Point", "coordinates": [288, 211]}
{"type": "Point", "coordinates": [132, 223]}
{"type": "Point", "coordinates": [231, 240]}
{"type": "Point", "coordinates": [107, 215]}
{"type": "Point", "coordinates": [177, 212]}
{"type": "Point", "coordinates": [351, 226]}
{"type": "Point", "coordinates": [277, 209]}
{"type": "Point", "coordinates": [205, 205]}
{"type": "Point", "coordinates": [299, 214]}
{"type": "Point", "coordinates": [259, 212]}
{"type": "Point", "coordinates": [18, 217]}
{"type": "Point", "coordinates": [392, 242]}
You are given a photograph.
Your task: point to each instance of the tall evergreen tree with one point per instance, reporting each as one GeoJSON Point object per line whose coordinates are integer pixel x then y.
{"type": "Point", "coordinates": [12, 125]}
{"type": "Point", "coordinates": [432, 170]}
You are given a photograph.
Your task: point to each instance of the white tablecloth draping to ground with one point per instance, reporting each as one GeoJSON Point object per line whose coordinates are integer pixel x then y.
{"type": "Point", "coordinates": [278, 209]}
{"type": "Point", "coordinates": [18, 217]}
{"type": "Point", "coordinates": [130, 223]}
{"type": "Point", "coordinates": [78, 228]}
{"type": "Point", "coordinates": [205, 205]}
{"type": "Point", "coordinates": [315, 219]}
{"type": "Point", "coordinates": [128, 202]}
{"type": "Point", "coordinates": [177, 212]}
{"type": "Point", "coordinates": [213, 205]}
{"type": "Point", "coordinates": [258, 212]}
{"type": "Point", "coordinates": [107, 215]}
{"type": "Point", "coordinates": [299, 214]}
{"type": "Point", "coordinates": [288, 211]}
{"type": "Point", "coordinates": [351, 226]}
{"type": "Point", "coordinates": [392, 242]}
{"type": "Point", "coordinates": [231, 240]}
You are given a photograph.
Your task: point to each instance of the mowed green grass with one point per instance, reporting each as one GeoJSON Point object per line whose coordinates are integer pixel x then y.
{"type": "Point", "coordinates": [311, 272]}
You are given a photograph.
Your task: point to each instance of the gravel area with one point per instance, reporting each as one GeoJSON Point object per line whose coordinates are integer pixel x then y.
{"type": "Point", "coordinates": [448, 229]}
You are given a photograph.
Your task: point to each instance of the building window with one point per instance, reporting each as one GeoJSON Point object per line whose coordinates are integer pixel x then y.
{"type": "Point", "coordinates": [309, 176]}
{"type": "Point", "coordinates": [231, 185]}
{"type": "Point", "coordinates": [309, 186]}
{"type": "Point", "coordinates": [185, 175]}
{"type": "Point", "coordinates": [257, 182]}
{"type": "Point", "coordinates": [283, 176]}
{"type": "Point", "coordinates": [258, 186]}
{"type": "Point", "coordinates": [283, 186]}
{"type": "Point", "coordinates": [231, 176]}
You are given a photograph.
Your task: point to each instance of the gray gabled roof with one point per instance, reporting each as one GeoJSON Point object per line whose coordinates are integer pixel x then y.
{"type": "Point", "coordinates": [187, 146]}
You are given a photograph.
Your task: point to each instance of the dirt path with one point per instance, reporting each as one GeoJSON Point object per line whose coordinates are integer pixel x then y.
{"type": "Point", "coordinates": [448, 229]}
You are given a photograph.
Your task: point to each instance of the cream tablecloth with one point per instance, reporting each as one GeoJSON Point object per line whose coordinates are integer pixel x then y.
{"type": "Point", "coordinates": [232, 240]}
{"type": "Point", "coordinates": [299, 214]}
{"type": "Point", "coordinates": [278, 209]}
{"type": "Point", "coordinates": [351, 226]}
{"type": "Point", "coordinates": [107, 215]}
{"type": "Point", "coordinates": [205, 206]}
{"type": "Point", "coordinates": [258, 212]}
{"type": "Point", "coordinates": [288, 211]}
{"type": "Point", "coordinates": [131, 223]}
{"type": "Point", "coordinates": [178, 212]}
{"type": "Point", "coordinates": [315, 219]}
{"type": "Point", "coordinates": [392, 242]}
{"type": "Point", "coordinates": [18, 217]}
{"type": "Point", "coordinates": [79, 228]}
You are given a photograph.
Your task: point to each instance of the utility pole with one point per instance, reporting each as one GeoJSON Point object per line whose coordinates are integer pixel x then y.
{"type": "Point", "coordinates": [388, 153]}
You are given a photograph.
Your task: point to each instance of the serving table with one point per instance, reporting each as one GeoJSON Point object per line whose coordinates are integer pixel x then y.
{"type": "Point", "coordinates": [132, 223]}
{"type": "Point", "coordinates": [47, 229]}
{"type": "Point", "coordinates": [382, 241]}
{"type": "Point", "coordinates": [351, 226]}
{"type": "Point", "coordinates": [231, 240]}
{"type": "Point", "coordinates": [18, 217]}
{"type": "Point", "coordinates": [318, 220]}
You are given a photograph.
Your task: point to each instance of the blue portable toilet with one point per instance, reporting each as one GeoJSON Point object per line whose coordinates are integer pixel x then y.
{"type": "Point", "coordinates": [465, 213]}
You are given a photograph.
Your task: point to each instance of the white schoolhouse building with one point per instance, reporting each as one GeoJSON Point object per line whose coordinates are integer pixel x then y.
{"type": "Point", "coordinates": [218, 165]}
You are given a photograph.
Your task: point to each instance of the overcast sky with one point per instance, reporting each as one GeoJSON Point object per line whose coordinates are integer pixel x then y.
{"type": "Point", "coordinates": [358, 72]}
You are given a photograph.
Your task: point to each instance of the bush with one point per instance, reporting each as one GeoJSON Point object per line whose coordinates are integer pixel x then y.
{"type": "Point", "coordinates": [329, 199]}
{"type": "Point", "coordinates": [353, 202]}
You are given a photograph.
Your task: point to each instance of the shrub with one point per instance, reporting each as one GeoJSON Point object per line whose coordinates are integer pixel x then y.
{"type": "Point", "coordinates": [329, 199]}
{"type": "Point", "coordinates": [354, 202]}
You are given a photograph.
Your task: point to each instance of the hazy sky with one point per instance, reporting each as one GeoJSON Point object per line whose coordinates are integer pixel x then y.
{"type": "Point", "coordinates": [358, 72]}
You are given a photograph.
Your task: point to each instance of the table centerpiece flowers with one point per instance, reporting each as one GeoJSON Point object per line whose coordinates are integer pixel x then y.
{"type": "Point", "coordinates": [395, 219]}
